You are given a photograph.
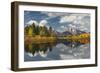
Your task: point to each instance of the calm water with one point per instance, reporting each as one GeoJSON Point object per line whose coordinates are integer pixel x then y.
{"type": "Point", "coordinates": [56, 51]}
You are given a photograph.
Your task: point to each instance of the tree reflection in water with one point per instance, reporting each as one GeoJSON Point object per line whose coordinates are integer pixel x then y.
{"type": "Point", "coordinates": [64, 50]}
{"type": "Point", "coordinates": [41, 48]}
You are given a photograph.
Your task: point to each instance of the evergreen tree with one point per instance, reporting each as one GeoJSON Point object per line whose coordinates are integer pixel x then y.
{"type": "Point", "coordinates": [37, 30]}
{"type": "Point", "coordinates": [40, 31]}
{"type": "Point", "coordinates": [33, 29]}
{"type": "Point", "coordinates": [26, 30]}
{"type": "Point", "coordinates": [50, 31]}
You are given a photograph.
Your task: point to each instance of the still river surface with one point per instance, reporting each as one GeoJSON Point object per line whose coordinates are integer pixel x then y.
{"type": "Point", "coordinates": [59, 50]}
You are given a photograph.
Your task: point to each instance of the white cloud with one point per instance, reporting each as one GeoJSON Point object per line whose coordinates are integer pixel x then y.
{"type": "Point", "coordinates": [43, 23]}
{"type": "Point", "coordinates": [31, 22]}
{"type": "Point", "coordinates": [53, 14]}
{"type": "Point", "coordinates": [72, 26]}
{"type": "Point", "coordinates": [63, 27]}
{"type": "Point", "coordinates": [67, 19]}
{"type": "Point", "coordinates": [73, 18]}
{"type": "Point", "coordinates": [84, 29]}
{"type": "Point", "coordinates": [79, 20]}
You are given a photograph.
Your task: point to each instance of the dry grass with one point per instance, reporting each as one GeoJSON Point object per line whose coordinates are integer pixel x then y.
{"type": "Point", "coordinates": [39, 39]}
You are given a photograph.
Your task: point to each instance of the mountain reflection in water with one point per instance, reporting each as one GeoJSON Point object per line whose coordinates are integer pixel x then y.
{"type": "Point", "coordinates": [61, 50]}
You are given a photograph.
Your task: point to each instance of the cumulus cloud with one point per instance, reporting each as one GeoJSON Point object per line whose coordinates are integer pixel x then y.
{"type": "Point", "coordinates": [54, 14]}
{"type": "Point", "coordinates": [84, 29]}
{"type": "Point", "coordinates": [43, 23]}
{"type": "Point", "coordinates": [51, 15]}
{"type": "Point", "coordinates": [31, 22]}
{"type": "Point", "coordinates": [72, 26]}
{"type": "Point", "coordinates": [64, 28]}
{"type": "Point", "coordinates": [81, 21]}
{"type": "Point", "coordinates": [67, 19]}
{"type": "Point", "coordinates": [73, 18]}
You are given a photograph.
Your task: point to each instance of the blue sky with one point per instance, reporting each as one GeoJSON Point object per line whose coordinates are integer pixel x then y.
{"type": "Point", "coordinates": [60, 21]}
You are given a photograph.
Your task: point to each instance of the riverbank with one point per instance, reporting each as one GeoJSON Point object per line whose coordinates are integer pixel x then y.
{"type": "Point", "coordinates": [45, 39]}
{"type": "Point", "coordinates": [39, 39]}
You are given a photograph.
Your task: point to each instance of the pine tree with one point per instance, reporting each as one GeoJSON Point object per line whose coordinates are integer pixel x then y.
{"type": "Point", "coordinates": [40, 31]}
{"type": "Point", "coordinates": [33, 29]}
{"type": "Point", "coordinates": [26, 30]}
{"type": "Point", "coordinates": [43, 31]}
{"type": "Point", "coordinates": [50, 31]}
{"type": "Point", "coordinates": [37, 30]}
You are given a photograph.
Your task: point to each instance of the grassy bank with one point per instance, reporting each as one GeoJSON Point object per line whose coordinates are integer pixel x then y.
{"type": "Point", "coordinates": [39, 39]}
{"type": "Point", "coordinates": [50, 39]}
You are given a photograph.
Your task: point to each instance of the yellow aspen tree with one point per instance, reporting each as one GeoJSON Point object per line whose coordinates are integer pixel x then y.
{"type": "Point", "coordinates": [30, 31]}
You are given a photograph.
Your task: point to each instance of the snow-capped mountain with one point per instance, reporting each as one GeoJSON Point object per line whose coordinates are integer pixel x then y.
{"type": "Point", "coordinates": [71, 30]}
{"type": "Point", "coordinates": [68, 33]}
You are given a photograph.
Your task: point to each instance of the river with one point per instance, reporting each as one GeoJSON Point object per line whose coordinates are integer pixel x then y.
{"type": "Point", "coordinates": [62, 50]}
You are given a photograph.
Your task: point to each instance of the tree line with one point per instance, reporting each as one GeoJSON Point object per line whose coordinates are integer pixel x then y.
{"type": "Point", "coordinates": [33, 30]}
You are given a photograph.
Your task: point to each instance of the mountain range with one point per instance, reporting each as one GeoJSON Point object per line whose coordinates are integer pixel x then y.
{"type": "Point", "coordinates": [67, 32]}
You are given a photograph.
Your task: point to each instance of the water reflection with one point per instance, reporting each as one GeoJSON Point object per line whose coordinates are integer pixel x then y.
{"type": "Point", "coordinates": [58, 50]}
{"type": "Point", "coordinates": [36, 48]}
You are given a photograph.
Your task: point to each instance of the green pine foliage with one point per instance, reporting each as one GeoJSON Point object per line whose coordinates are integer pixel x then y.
{"type": "Point", "coordinates": [33, 30]}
